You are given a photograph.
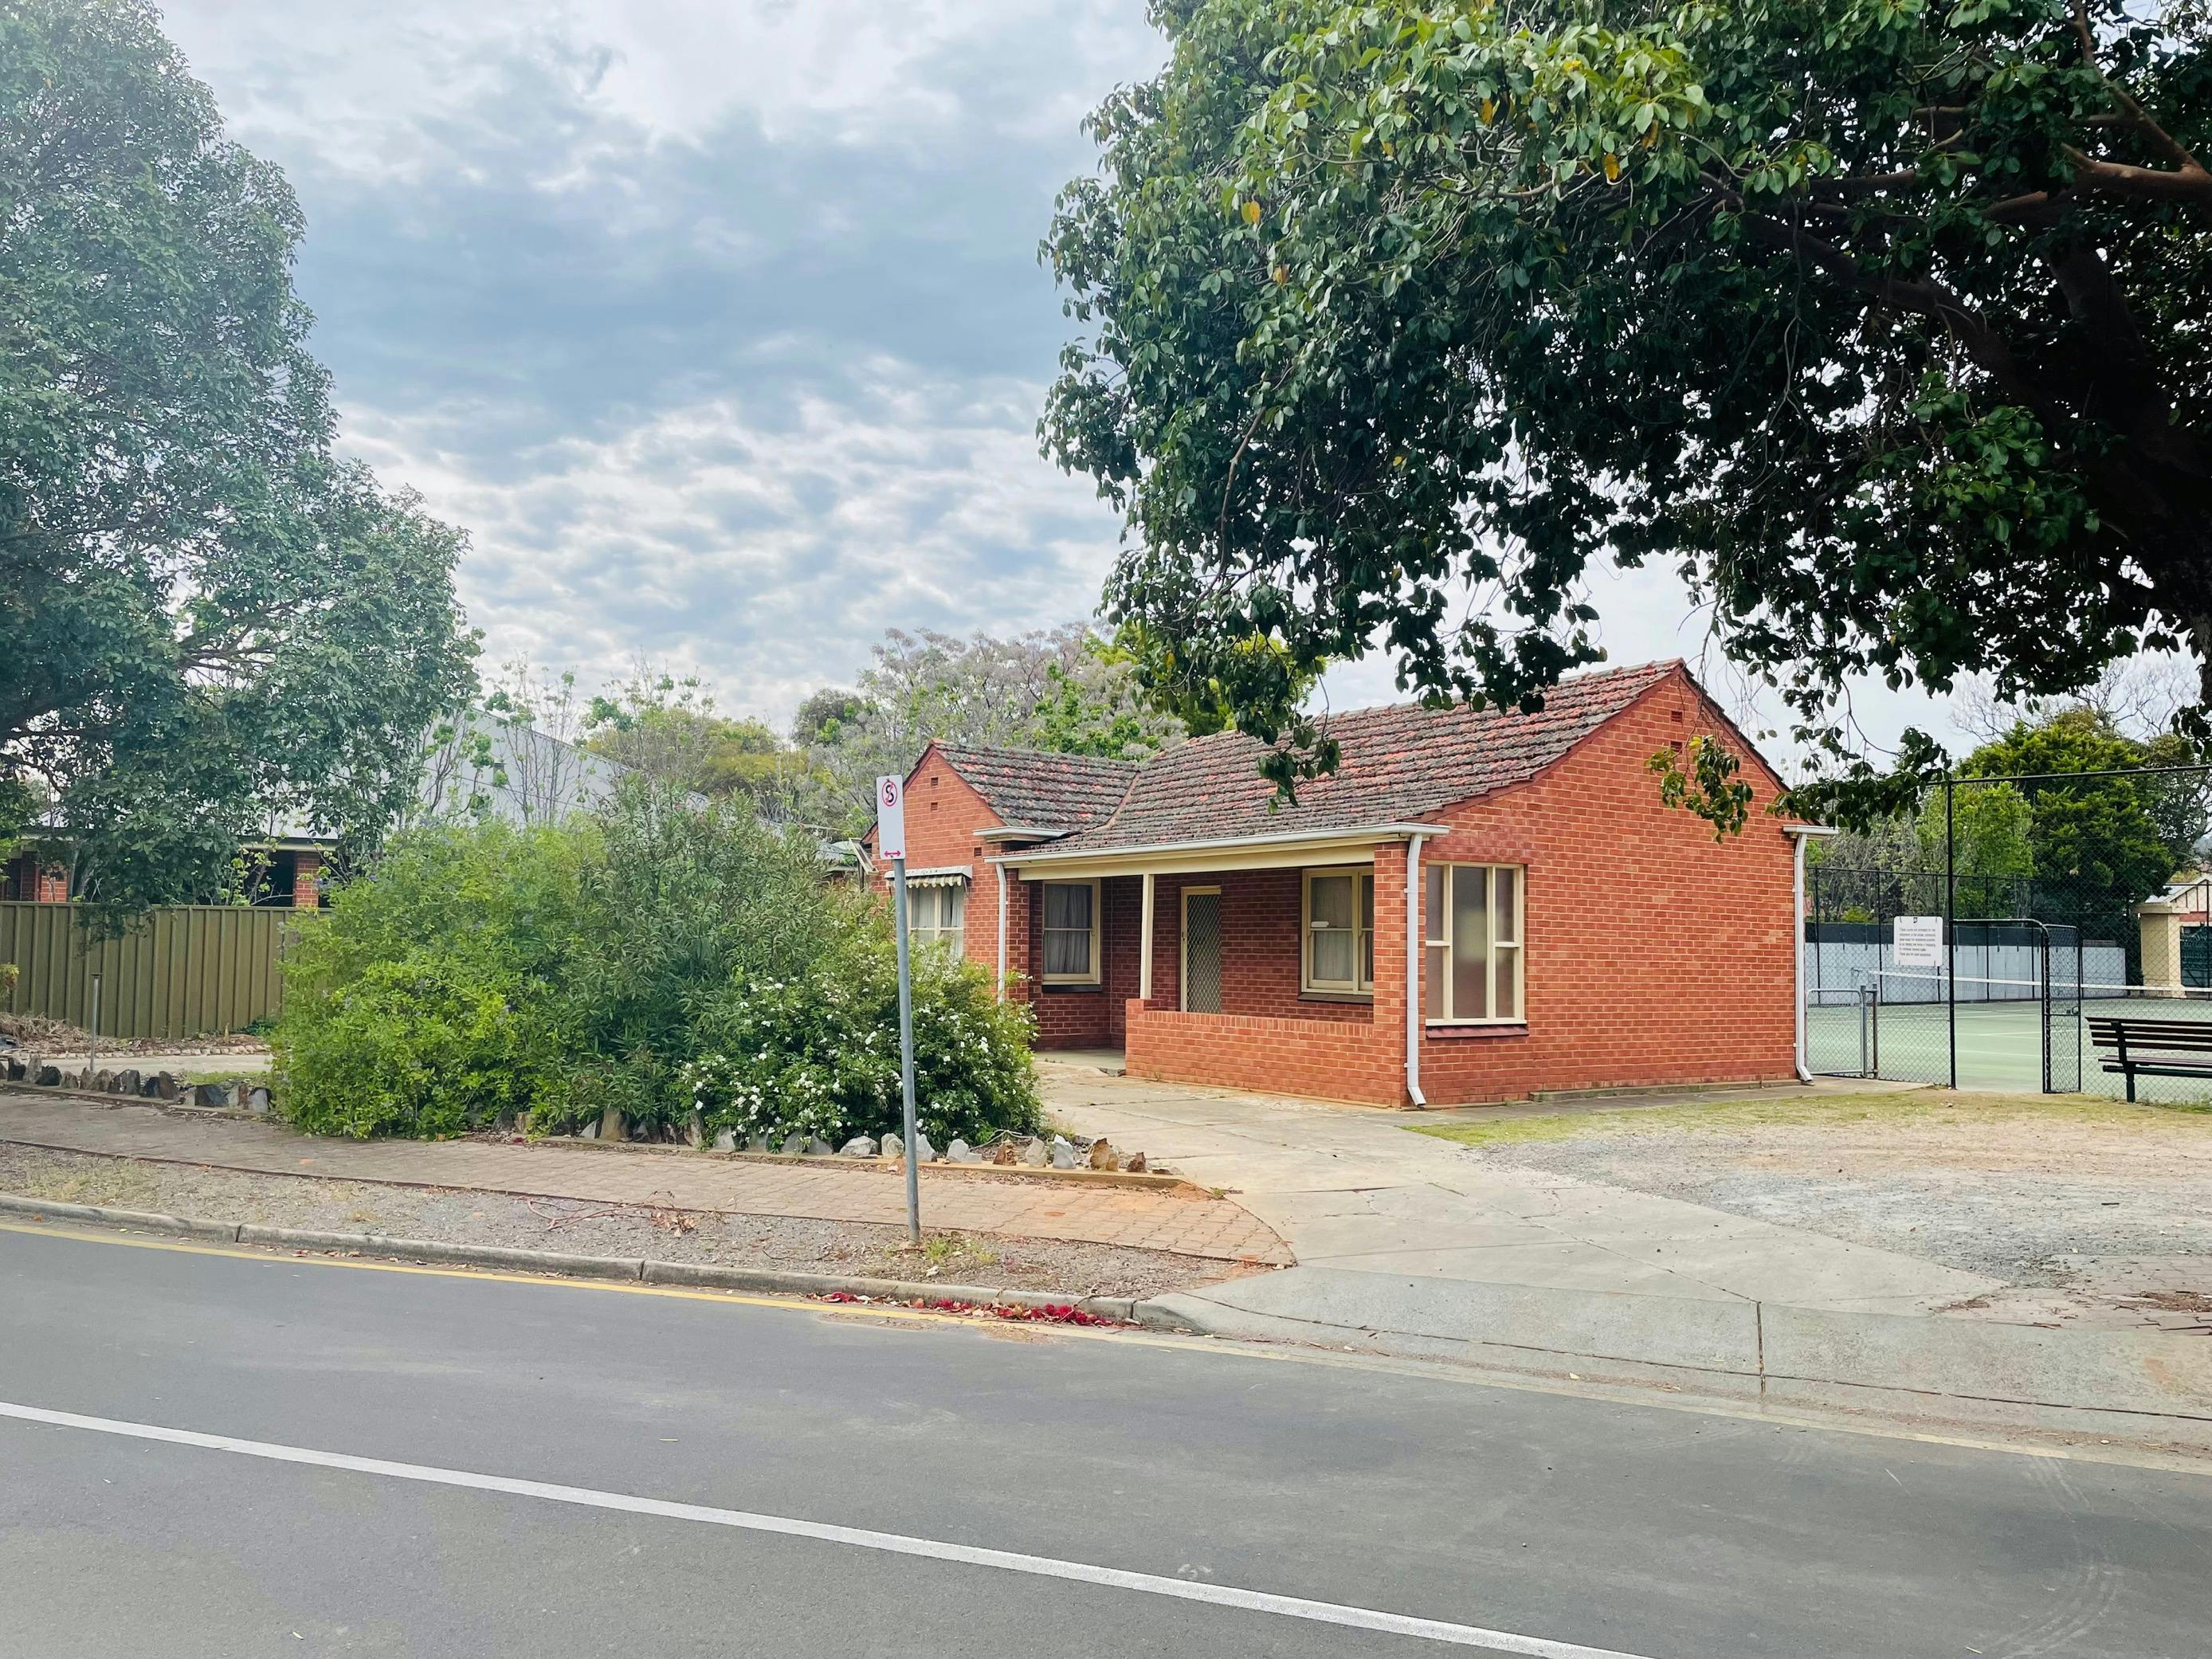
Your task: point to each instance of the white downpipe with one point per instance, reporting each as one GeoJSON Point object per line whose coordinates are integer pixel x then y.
{"type": "Point", "coordinates": [1415, 929]}
{"type": "Point", "coordinates": [1797, 950]}
{"type": "Point", "coordinates": [1005, 875]}
{"type": "Point", "coordinates": [1799, 835]}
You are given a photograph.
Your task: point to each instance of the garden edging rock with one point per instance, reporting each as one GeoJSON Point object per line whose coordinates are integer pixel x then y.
{"type": "Point", "coordinates": [1148, 1180]}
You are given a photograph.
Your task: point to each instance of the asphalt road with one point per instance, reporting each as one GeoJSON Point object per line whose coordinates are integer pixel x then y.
{"type": "Point", "coordinates": [1544, 1519]}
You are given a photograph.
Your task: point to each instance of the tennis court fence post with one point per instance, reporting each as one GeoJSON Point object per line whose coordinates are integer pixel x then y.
{"type": "Point", "coordinates": [1950, 927]}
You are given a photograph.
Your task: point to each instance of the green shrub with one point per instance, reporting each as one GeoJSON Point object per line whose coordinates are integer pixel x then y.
{"type": "Point", "coordinates": [430, 1045]}
{"type": "Point", "coordinates": [676, 902]}
{"type": "Point", "coordinates": [420, 1002]}
{"type": "Point", "coordinates": [818, 1054]}
{"type": "Point", "coordinates": [653, 958]}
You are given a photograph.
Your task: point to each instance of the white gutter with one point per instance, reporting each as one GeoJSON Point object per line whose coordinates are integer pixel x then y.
{"type": "Point", "coordinates": [1800, 835]}
{"type": "Point", "coordinates": [1414, 931]}
{"type": "Point", "coordinates": [1355, 832]}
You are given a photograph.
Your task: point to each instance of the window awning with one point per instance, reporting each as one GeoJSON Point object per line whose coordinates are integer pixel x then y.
{"type": "Point", "coordinates": [943, 875]}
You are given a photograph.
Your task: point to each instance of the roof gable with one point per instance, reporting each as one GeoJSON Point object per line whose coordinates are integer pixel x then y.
{"type": "Point", "coordinates": [1397, 764]}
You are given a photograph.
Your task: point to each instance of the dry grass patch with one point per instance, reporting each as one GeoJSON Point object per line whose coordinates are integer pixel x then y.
{"type": "Point", "coordinates": [119, 1187]}
{"type": "Point", "coordinates": [1939, 1109]}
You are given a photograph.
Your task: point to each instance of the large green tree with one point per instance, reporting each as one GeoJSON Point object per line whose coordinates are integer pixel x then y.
{"type": "Point", "coordinates": [207, 619]}
{"type": "Point", "coordinates": [1881, 318]}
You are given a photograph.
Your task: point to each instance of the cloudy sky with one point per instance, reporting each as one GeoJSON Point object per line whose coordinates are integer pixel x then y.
{"type": "Point", "coordinates": [718, 322]}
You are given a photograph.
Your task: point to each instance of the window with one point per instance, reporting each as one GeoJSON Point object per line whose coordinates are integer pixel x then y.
{"type": "Point", "coordinates": [937, 917]}
{"type": "Point", "coordinates": [1471, 926]}
{"type": "Point", "coordinates": [1340, 948]}
{"type": "Point", "coordinates": [1071, 933]}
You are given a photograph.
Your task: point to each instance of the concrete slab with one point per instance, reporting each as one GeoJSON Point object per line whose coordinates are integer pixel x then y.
{"type": "Point", "coordinates": [1352, 1237]}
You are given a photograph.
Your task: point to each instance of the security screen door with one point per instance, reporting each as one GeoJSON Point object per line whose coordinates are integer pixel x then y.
{"type": "Point", "coordinates": [1201, 951]}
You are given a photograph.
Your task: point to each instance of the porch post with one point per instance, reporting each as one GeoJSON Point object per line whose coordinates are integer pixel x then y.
{"type": "Point", "coordinates": [1416, 934]}
{"type": "Point", "coordinates": [1144, 947]}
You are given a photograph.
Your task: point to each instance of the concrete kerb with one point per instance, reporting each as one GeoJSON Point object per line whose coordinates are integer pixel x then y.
{"type": "Point", "coordinates": [642, 1270]}
{"type": "Point", "coordinates": [2125, 1383]}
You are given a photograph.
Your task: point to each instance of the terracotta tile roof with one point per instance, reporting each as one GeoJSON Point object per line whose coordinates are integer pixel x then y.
{"type": "Point", "coordinates": [1031, 789]}
{"type": "Point", "coordinates": [1398, 763]}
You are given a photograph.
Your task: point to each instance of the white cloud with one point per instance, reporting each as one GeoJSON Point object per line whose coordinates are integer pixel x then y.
{"type": "Point", "coordinates": [379, 91]}
{"type": "Point", "coordinates": [764, 554]}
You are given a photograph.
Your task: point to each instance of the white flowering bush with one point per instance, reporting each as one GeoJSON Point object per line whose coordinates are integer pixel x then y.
{"type": "Point", "coordinates": [818, 1052]}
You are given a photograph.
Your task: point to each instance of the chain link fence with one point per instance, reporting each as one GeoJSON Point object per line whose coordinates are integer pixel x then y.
{"type": "Point", "coordinates": [2049, 932]}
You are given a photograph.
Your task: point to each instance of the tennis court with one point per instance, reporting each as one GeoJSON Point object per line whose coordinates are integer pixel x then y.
{"type": "Point", "coordinates": [1895, 1027]}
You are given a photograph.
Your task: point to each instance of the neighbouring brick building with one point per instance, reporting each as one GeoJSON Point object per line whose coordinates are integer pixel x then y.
{"type": "Point", "coordinates": [1572, 931]}
{"type": "Point", "coordinates": [293, 876]}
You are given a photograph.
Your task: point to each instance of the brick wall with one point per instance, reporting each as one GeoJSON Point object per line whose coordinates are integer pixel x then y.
{"type": "Point", "coordinates": [1654, 953]}
{"type": "Point", "coordinates": [306, 880]}
{"type": "Point", "coordinates": [1330, 1059]}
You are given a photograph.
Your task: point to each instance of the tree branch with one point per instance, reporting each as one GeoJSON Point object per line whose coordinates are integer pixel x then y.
{"type": "Point", "coordinates": [1924, 297]}
{"type": "Point", "coordinates": [2172, 148]}
{"type": "Point", "coordinates": [2188, 183]}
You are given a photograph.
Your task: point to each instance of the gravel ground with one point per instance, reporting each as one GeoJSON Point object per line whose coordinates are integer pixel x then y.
{"type": "Point", "coordinates": [588, 1228]}
{"type": "Point", "coordinates": [2090, 1211]}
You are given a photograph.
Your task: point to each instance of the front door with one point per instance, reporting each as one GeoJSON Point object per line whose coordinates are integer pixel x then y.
{"type": "Point", "coordinates": [1201, 950]}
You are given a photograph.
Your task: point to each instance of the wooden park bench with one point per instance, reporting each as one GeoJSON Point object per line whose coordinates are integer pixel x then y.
{"type": "Point", "coordinates": [2142, 1045]}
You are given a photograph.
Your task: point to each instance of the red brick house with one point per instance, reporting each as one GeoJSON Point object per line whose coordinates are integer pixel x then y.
{"type": "Point", "coordinates": [1571, 932]}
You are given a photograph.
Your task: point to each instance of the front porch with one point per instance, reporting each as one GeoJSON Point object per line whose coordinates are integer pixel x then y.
{"type": "Point", "coordinates": [1285, 969]}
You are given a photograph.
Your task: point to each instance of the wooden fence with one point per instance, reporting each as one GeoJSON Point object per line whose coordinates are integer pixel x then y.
{"type": "Point", "coordinates": [184, 970]}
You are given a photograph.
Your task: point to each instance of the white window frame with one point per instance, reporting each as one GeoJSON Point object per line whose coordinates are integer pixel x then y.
{"type": "Point", "coordinates": [1360, 986]}
{"type": "Point", "coordinates": [1436, 931]}
{"type": "Point", "coordinates": [1098, 920]}
{"type": "Point", "coordinates": [953, 939]}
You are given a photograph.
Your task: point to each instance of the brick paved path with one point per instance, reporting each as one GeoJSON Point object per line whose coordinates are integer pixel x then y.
{"type": "Point", "coordinates": [1187, 1223]}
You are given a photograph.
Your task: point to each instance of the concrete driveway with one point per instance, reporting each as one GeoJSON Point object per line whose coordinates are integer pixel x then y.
{"type": "Point", "coordinates": [1349, 1189]}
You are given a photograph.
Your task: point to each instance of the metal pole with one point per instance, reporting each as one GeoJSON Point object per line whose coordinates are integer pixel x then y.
{"type": "Point", "coordinates": [2046, 1010]}
{"type": "Point", "coordinates": [1950, 927]}
{"type": "Point", "coordinates": [92, 1060]}
{"type": "Point", "coordinates": [905, 1053]}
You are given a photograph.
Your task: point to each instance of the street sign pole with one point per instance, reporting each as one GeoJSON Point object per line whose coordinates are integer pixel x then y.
{"type": "Point", "coordinates": [891, 843]}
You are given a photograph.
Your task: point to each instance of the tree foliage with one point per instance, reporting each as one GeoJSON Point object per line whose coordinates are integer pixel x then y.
{"type": "Point", "coordinates": [2124, 835]}
{"type": "Point", "coordinates": [209, 617]}
{"type": "Point", "coordinates": [667, 728]}
{"type": "Point", "coordinates": [1879, 316]}
{"type": "Point", "coordinates": [1064, 689]}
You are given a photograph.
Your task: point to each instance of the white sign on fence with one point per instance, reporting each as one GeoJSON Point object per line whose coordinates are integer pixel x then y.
{"type": "Point", "coordinates": [890, 818]}
{"type": "Point", "coordinates": [1917, 941]}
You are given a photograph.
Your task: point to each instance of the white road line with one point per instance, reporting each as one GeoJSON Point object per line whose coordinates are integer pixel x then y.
{"type": "Point", "coordinates": [890, 1543]}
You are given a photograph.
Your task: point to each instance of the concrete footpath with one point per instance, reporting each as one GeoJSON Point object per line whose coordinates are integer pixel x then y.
{"type": "Point", "coordinates": [1405, 1244]}
{"type": "Point", "coordinates": [1185, 1223]}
